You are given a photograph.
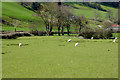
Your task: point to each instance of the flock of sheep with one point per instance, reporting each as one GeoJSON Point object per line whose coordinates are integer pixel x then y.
{"type": "Point", "coordinates": [76, 44]}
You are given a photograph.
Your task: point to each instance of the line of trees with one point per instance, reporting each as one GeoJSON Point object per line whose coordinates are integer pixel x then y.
{"type": "Point", "coordinates": [55, 14]}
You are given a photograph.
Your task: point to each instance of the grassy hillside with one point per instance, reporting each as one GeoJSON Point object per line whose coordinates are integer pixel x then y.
{"type": "Point", "coordinates": [15, 10]}
{"type": "Point", "coordinates": [88, 12]}
{"type": "Point", "coordinates": [79, 9]}
{"type": "Point", "coordinates": [12, 11]}
{"type": "Point", "coordinates": [11, 28]}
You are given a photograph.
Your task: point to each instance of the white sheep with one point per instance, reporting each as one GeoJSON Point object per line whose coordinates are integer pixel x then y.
{"type": "Point", "coordinates": [115, 39]}
{"type": "Point", "coordinates": [92, 37]}
{"type": "Point", "coordinates": [20, 44]}
{"type": "Point", "coordinates": [69, 40]}
{"type": "Point", "coordinates": [76, 44]}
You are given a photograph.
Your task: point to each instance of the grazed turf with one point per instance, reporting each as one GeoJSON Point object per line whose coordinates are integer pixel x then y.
{"type": "Point", "coordinates": [54, 57]}
{"type": "Point", "coordinates": [13, 9]}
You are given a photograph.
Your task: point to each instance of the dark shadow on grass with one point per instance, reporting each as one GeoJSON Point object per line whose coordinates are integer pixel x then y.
{"type": "Point", "coordinates": [110, 41]}
{"type": "Point", "coordinates": [79, 41]}
{"type": "Point", "coordinates": [16, 44]}
{"type": "Point", "coordinates": [2, 53]}
{"type": "Point", "coordinates": [61, 45]}
{"type": "Point", "coordinates": [96, 41]}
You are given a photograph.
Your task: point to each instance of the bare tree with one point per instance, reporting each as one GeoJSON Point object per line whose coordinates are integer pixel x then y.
{"type": "Point", "coordinates": [68, 21]}
{"type": "Point", "coordinates": [64, 19]}
{"type": "Point", "coordinates": [59, 17]}
{"type": "Point", "coordinates": [80, 22]}
{"type": "Point", "coordinates": [15, 23]}
{"type": "Point", "coordinates": [107, 24]}
{"type": "Point", "coordinates": [52, 9]}
{"type": "Point", "coordinates": [55, 13]}
{"type": "Point", "coordinates": [47, 13]}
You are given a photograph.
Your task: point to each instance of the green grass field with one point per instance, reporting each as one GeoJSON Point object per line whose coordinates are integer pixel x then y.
{"type": "Point", "coordinates": [13, 9]}
{"type": "Point", "coordinates": [11, 28]}
{"type": "Point", "coordinates": [39, 28]}
{"type": "Point", "coordinates": [54, 57]}
{"type": "Point", "coordinates": [90, 12]}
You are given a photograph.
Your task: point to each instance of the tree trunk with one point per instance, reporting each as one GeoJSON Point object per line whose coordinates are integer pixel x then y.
{"type": "Point", "coordinates": [58, 30]}
{"type": "Point", "coordinates": [47, 30]}
{"type": "Point", "coordinates": [15, 29]}
{"type": "Point", "coordinates": [62, 31]}
{"type": "Point", "coordinates": [51, 25]}
{"type": "Point", "coordinates": [50, 32]}
{"type": "Point", "coordinates": [68, 32]}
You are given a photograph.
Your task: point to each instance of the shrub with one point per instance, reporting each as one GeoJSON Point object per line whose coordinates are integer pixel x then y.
{"type": "Point", "coordinates": [96, 33]}
{"type": "Point", "coordinates": [107, 24]}
{"type": "Point", "coordinates": [87, 32]}
{"type": "Point", "coordinates": [14, 35]}
{"type": "Point", "coordinates": [38, 33]}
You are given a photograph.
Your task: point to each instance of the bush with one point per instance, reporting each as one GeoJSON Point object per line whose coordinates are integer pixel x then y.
{"type": "Point", "coordinates": [87, 32]}
{"type": "Point", "coordinates": [97, 34]}
{"type": "Point", "coordinates": [14, 35]}
{"type": "Point", "coordinates": [38, 33]}
{"type": "Point", "coordinates": [107, 24]}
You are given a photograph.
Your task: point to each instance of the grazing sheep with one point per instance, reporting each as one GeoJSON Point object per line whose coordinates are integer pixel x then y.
{"type": "Point", "coordinates": [92, 37]}
{"type": "Point", "coordinates": [69, 40]}
{"type": "Point", "coordinates": [115, 39]}
{"type": "Point", "coordinates": [20, 44]}
{"type": "Point", "coordinates": [76, 44]}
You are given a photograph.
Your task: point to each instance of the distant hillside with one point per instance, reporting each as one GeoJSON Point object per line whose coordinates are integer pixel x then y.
{"type": "Point", "coordinates": [110, 4]}
{"type": "Point", "coordinates": [95, 5]}
{"type": "Point", "coordinates": [14, 11]}
{"type": "Point", "coordinates": [88, 9]}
